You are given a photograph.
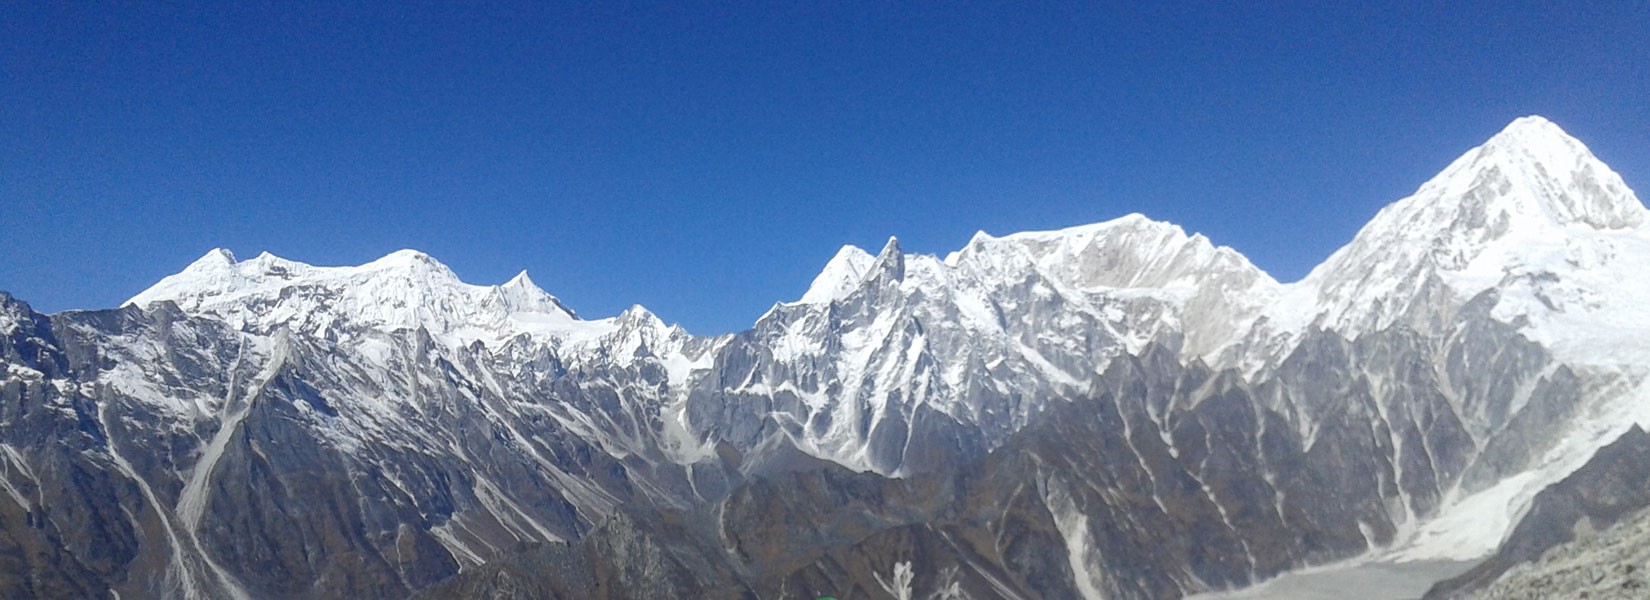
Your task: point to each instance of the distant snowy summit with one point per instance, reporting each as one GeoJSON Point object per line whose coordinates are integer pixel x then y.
{"type": "Point", "coordinates": [405, 289]}
{"type": "Point", "coordinates": [1531, 193]}
{"type": "Point", "coordinates": [408, 290]}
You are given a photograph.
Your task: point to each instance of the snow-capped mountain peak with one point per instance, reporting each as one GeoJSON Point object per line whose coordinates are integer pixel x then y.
{"type": "Point", "coordinates": [1129, 252]}
{"type": "Point", "coordinates": [405, 260]}
{"type": "Point", "coordinates": [1542, 172]}
{"type": "Point", "coordinates": [406, 289]}
{"type": "Point", "coordinates": [522, 295]}
{"type": "Point", "coordinates": [1580, 187]}
{"type": "Point", "coordinates": [1530, 176]}
{"type": "Point", "coordinates": [1218, 292]}
{"type": "Point", "coordinates": [840, 277]}
{"type": "Point", "coordinates": [1481, 220]}
{"type": "Point", "coordinates": [890, 261]}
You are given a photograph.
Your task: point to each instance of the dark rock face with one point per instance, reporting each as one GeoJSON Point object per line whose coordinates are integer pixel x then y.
{"type": "Point", "coordinates": [626, 556]}
{"type": "Point", "coordinates": [1612, 487]}
{"type": "Point", "coordinates": [1173, 479]}
{"type": "Point", "coordinates": [315, 477]}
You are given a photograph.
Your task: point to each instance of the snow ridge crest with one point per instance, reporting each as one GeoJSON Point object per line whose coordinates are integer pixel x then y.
{"type": "Point", "coordinates": [406, 289]}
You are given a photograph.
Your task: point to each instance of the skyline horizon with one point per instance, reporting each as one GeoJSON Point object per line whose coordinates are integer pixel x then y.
{"type": "Point", "coordinates": [705, 162]}
{"type": "Point", "coordinates": [236, 258]}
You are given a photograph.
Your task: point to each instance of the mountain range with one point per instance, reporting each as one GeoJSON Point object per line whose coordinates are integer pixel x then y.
{"type": "Point", "coordinates": [1116, 410]}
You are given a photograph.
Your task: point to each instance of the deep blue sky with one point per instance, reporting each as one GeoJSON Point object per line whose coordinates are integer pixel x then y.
{"type": "Point", "coordinates": [706, 161]}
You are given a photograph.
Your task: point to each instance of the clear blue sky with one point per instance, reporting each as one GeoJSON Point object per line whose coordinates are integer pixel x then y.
{"type": "Point", "coordinates": [706, 160]}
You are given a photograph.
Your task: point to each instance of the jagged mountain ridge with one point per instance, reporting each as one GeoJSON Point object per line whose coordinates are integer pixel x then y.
{"type": "Point", "coordinates": [1529, 235]}
{"type": "Point", "coordinates": [1473, 344]}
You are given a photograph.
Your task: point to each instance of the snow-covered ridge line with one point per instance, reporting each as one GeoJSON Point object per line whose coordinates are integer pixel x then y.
{"type": "Point", "coordinates": [1532, 203]}
{"type": "Point", "coordinates": [1161, 256]}
{"type": "Point", "coordinates": [1529, 203]}
{"type": "Point", "coordinates": [404, 290]}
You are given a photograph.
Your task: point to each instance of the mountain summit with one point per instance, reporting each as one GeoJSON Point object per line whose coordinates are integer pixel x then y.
{"type": "Point", "coordinates": [1485, 218]}
{"type": "Point", "coordinates": [406, 289]}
